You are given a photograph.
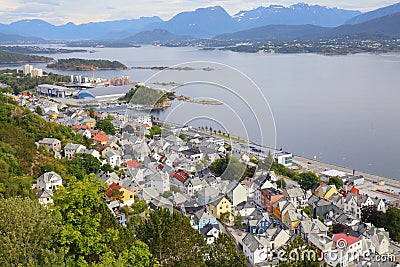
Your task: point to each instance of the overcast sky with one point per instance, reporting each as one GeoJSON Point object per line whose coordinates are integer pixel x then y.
{"type": "Point", "coordinates": [81, 11]}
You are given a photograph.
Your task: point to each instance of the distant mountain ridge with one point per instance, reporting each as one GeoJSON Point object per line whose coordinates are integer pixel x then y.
{"type": "Point", "coordinates": [157, 35]}
{"type": "Point", "coordinates": [380, 12]}
{"type": "Point", "coordinates": [200, 23]}
{"type": "Point", "coordinates": [387, 25]}
{"type": "Point", "coordinates": [4, 38]}
{"type": "Point", "coordinates": [383, 26]}
{"type": "Point", "coordinates": [70, 31]}
{"type": "Point", "coordinates": [297, 14]}
{"type": "Point", "coordinates": [276, 32]}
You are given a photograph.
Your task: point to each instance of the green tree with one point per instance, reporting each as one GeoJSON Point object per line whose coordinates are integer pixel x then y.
{"type": "Point", "coordinates": [307, 254]}
{"type": "Point", "coordinates": [28, 231]}
{"type": "Point", "coordinates": [82, 165]}
{"type": "Point", "coordinates": [225, 217]}
{"type": "Point", "coordinates": [281, 183]}
{"type": "Point", "coordinates": [106, 168]}
{"type": "Point", "coordinates": [336, 182]}
{"type": "Point", "coordinates": [39, 110]}
{"type": "Point", "coordinates": [391, 221]}
{"type": "Point", "coordinates": [307, 210]}
{"type": "Point", "coordinates": [238, 221]}
{"type": "Point", "coordinates": [171, 239]}
{"type": "Point", "coordinates": [223, 253]}
{"type": "Point", "coordinates": [89, 233]}
{"type": "Point", "coordinates": [308, 179]}
{"type": "Point", "coordinates": [91, 112]}
{"type": "Point", "coordinates": [106, 126]}
{"type": "Point", "coordinates": [229, 168]}
{"type": "Point", "coordinates": [154, 130]}
{"type": "Point", "coordinates": [183, 137]}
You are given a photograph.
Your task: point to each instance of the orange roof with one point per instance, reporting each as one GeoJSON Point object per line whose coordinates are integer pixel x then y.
{"type": "Point", "coordinates": [132, 163]}
{"type": "Point", "coordinates": [111, 188]}
{"type": "Point", "coordinates": [355, 191]}
{"type": "Point", "coordinates": [100, 138]}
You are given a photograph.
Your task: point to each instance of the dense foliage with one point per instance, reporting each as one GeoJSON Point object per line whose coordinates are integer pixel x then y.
{"type": "Point", "coordinates": [390, 220]}
{"type": "Point", "coordinates": [20, 159]}
{"type": "Point", "coordinates": [11, 57]}
{"type": "Point", "coordinates": [19, 82]}
{"type": "Point", "coordinates": [336, 182]}
{"type": "Point", "coordinates": [223, 253]}
{"type": "Point", "coordinates": [79, 64]}
{"type": "Point", "coordinates": [143, 95]}
{"type": "Point", "coordinates": [229, 168]}
{"type": "Point", "coordinates": [28, 231]}
{"type": "Point", "coordinates": [106, 126]}
{"type": "Point", "coordinates": [89, 233]}
{"type": "Point", "coordinates": [305, 179]}
{"type": "Point", "coordinates": [172, 240]}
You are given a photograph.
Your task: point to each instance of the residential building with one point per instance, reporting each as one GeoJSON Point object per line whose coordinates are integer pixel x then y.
{"type": "Point", "coordinates": [113, 158]}
{"type": "Point", "coordinates": [268, 197]}
{"type": "Point", "coordinates": [296, 195]}
{"type": "Point", "coordinates": [236, 193]}
{"type": "Point", "coordinates": [71, 149]}
{"type": "Point", "coordinates": [52, 144]}
{"type": "Point", "coordinates": [49, 181]}
{"type": "Point", "coordinates": [221, 206]}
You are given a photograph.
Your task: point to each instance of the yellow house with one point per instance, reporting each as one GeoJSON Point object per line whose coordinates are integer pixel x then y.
{"type": "Point", "coordinates": [53, 116]}
{"type": "Point", "coordinates": [291, 219]}
{"type": "Point", "coordinates": [89, 122]}
{"type": "Point", "coordinates": [326, 191]}
{"type": "Point", "coordinates": [280, 207]}
{"type": "Point", "coordinates": [220, 206]}
{"type": "Point", "coordinates": [127, 196]}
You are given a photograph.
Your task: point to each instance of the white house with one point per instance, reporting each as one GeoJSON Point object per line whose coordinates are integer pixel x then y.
{"type": "Point", "coordinates": [194, 185]}
{"type": "Point", "coordinates": [256, 250]}
{"type": "Point", "coordinates": [296, 195]}
{"type": "Point", "coordinates": [160, 181]}
{"type": "Point", "coordinates": [113, 158]}
{"type": "Point", "coordinates": [380, 240]}
{"type": "Point", "coordinates": [353, 204]}
{"type": "Point", "coordinates": [71, 149]}
{"type": "Point", "coordinates": [45, 196]}
{"type": "Point", "coordinates": [236, 193]}
{"type": "Point", "coordinates": [49, 181]}
{"type": "Point", "coordinates": [210, 232]}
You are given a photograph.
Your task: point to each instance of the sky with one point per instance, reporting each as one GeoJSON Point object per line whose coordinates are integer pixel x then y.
{"type": "Point", "coordinates": [82, 11]}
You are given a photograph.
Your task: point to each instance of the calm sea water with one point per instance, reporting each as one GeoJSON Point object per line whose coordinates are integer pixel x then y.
{"type": "Point", "coordinates": [343, 109]}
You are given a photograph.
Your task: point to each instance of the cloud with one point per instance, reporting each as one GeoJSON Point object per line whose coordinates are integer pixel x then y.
{"type": "Point", "coordinates": [78, 11]}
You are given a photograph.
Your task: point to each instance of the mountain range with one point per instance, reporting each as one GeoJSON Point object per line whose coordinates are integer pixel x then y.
{"type": "Point", "coordinates": [382, 26]}
{"type": "Point", "coordinates": [268, 23]}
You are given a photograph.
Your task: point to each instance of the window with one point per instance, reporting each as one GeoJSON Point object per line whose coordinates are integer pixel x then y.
{"type": "Point", "coordinates": [130, 196]}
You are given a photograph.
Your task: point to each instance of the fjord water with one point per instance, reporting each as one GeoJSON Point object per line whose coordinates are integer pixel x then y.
{"type": "Point", "coordinates": [342, 109]}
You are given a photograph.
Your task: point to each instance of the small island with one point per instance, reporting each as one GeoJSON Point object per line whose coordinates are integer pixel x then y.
{"type": "Point", "coordinates": [18, 58]}
{"type": "Point", "coordinates": [86, 64]}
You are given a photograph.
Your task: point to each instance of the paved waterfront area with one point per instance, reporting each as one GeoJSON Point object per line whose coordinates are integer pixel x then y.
{"type": "Point", "coordinates": [369, 187]}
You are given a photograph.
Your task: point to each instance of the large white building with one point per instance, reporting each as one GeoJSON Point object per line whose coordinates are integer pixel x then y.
{"type": "Point", "coordinates": [30, 70]}
{"type": "Point", "coordinates": [27, 69]}
{"type": "Point", "coordinates": [284, 158]}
